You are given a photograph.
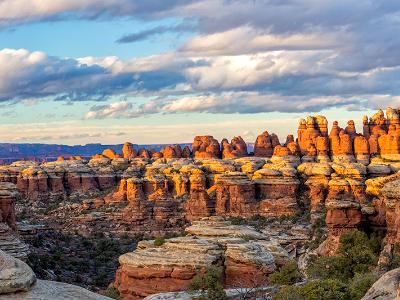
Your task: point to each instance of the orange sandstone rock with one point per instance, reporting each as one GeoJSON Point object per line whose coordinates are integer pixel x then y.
{"type": "Point", "coordinates": [265, 144]}
{"type": "Point", "coordinates": [128, 151]}
{"type": "Point", "coordinates": [206, 147]}
{"type": "Point", "coordinates": [109, 153]}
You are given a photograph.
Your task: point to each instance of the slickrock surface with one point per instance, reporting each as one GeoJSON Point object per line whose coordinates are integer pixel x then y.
{"type": "Point", "coordinates": [18, 282]}
{"type": "Point", "coordinates": [385, 288]}
{"type": "Point", "coordinates": [15, 275]}
{"type": "Point", "coordinates": [243, 252]}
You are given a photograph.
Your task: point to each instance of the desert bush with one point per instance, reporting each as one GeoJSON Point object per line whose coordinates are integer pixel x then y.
{"type": "Point", "coordinates": [358, 249]}
{"type": "Point", "coordinates": [159, 240]}
{"type": "Point", "coordinates": [209, 285]}
{"type": "Point", "coordinates": [287, 275]}
{"type": "Point", "coordinates": [328, 289]}
{"type": "Point", "coordinates": [334, 267]}
{"type": "Point", "coordinates": [360, 284]}
{"type": "Point", "coordinates": [356, 254]}
{"type": "Point", "coordinates": [112, 293]}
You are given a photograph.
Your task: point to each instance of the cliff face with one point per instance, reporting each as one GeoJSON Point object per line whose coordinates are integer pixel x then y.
{"type": "Point", "coordinates": [246, 256]}
{"type": "Point", "coordinates": [9, 239]}
{"type": "Point", "coordinates": [318, 171]}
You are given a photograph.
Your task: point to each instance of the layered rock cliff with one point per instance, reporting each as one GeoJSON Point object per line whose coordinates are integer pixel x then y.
{"type": "Point", "coordinates": [247, 257]}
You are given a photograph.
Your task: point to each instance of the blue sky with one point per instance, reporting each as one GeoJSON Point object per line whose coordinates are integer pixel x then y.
{"type": "Point", "coordinates": [147, 71]}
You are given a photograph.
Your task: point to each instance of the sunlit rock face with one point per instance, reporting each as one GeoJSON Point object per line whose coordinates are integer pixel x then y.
{"type": "Point", "coordinates": [321, 171]}
{"type": "Point", "coordinates": [9, 239]}
{"type": "Point", "coordinates": [206, 147]}
{"type": "Point", "coordinates": [244, 254]}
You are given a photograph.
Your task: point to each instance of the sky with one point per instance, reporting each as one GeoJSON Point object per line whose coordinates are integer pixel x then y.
{"type": "Point", "coordinates": [148, 71]}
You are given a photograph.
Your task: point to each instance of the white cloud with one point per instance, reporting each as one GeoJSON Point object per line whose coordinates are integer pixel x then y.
{"type": "Point", "coordinates": [113, 110]}
{"type": "Point", "coordinates": [246, 39]}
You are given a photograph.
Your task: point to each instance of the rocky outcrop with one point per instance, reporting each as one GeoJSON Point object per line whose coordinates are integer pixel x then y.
{"type": "Point", "coordinates": [265, 144]}
{"type": "Point", "coordinates": [128, 151]}
{"type": "Point", "coordinates": [9, 240]}
{"type": "Point", "coordinates": [241, 251]}
{"type": "Point", "coordinates": [308, 131]}
{"type": "Point", "coordinates": [206, 147]}
{"type": "Point", "coordinates": [386, 205]}
{"type": "Point", "coordinates": [385, 288]}
{"type": "Point", "coordinates": [236, 148]}
{"type": "Point", "coordinates": [18, 282]}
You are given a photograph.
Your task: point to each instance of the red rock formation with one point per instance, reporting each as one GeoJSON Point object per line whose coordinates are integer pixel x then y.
{"type": "Point", "coordinates": [289, 139]}
{"type": "Point", "coordinates": [144, 153]}
{"type": "Point", "coordinates": [109, 153]}
{"type": "Point", "coordinates": [361, 149]}
{"type": "Point", "coordinates": [265, 144]}
{"type": "Point", "coordinates": [128, 151]}
{"type": "Point", "coordinates": [282, 151]}
{"type": "Point", "coordinates": [75, 157]}
{"type": "Point", "coordinates": [237, 148]}
{"type": "Point", "coordinates": [200, 204]}
{"type": "Point", "coordinates": [276, 191]}
{"type": "Point", "coordinates": [235, 195]}
{"type": "Point", "coordinates": [350, 129]}
{"type": "Point", "coordinates": [186, 153]}
{"type": "Point", "coordinates": [206, 147]}
{"type": "Point", "coordinates": [341, 143]}
{"type": "Point", "coordinates": [8, 195]}
{"type": "Point", "coordinates": [322, 147]}
{"type": "Point", "coordinates": [308, 131]}
{"type": "Point", "coordinates": [171, 152]}
{"type": "Point", "coordinates": [156, 155]}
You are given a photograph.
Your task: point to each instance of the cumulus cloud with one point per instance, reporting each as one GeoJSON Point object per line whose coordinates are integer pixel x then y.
{"type": "Point", "coordinates": [246, 39]}
{"type": "Point", "coordinates": [248, 56]}
{"type": "Point", "coordinates": [20, 11]}
{"type": "Point", "coordinates": [113, 110]}
{"type": "Point", "coordinates": [28, 76]}
{"type": "Point", "coordinates": [239, 103]}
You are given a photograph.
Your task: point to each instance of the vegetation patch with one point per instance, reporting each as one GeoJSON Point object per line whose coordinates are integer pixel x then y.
{"type": "Point", "coordinates": [90, 262]}
{"type": "Point", "coordinates": [208, 285]}
{"type": "Point", "coordinates": [346, 275]}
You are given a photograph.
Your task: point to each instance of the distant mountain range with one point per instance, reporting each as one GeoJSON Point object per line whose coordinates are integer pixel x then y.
{"type": "Point", "coordinates": [49, 152]}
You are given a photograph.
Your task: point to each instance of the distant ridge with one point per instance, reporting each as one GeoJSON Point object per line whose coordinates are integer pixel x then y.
{"type": "Point", "coordinates": [10, 152]}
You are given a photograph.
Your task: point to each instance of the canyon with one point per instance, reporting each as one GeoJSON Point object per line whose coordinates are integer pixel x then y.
{"type": "Point", "coordinates": [311, 189]}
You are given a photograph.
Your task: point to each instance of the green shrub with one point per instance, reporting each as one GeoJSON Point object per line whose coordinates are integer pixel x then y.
{"type": "Point", "coordinates": [328, 289]}
{"type": "Point", "coordinates": [334, 267]}
{"type": "Point", "coordinates": [159, 240]}
{"type": "Point", "coordinates": [355, 255]}
{"type": "Point", "coordinates": [112, 293]}
{"type": "Point", "coordinates": [209, 285]}
{"type": "Point", "coordinates": [287, 275]}
{"type": "Point", "coordinates": [375, 242]}
{"type": "Point", "coordinates": [360, 284]}
{"type": "Point", "coordinates": [356, 247]}
{"type": "Point", "coordinates": [288, 292]}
